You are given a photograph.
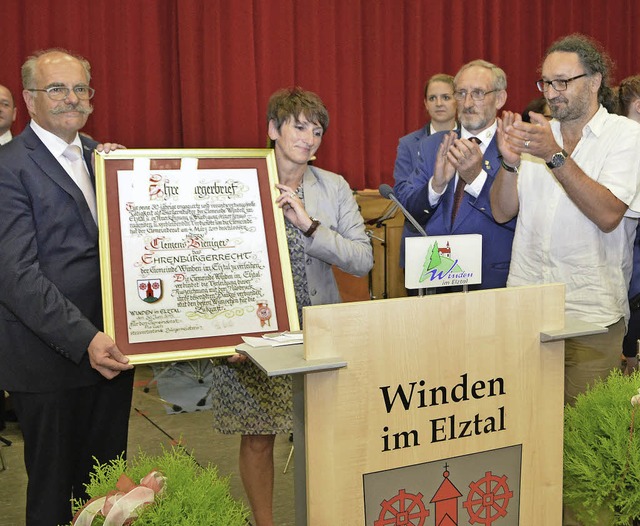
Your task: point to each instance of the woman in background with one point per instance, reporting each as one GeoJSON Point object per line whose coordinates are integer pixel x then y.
{"type": "Point", "coordinates": [628, 104]}
{"type": "Point", "coordinates": [538, 105]}
{"type": "Point", "coordinates": [441, 107]}
{"type": "Point", "coordinates": [628, 98]}
{"type": "Point", "coordinates": [324, 228]}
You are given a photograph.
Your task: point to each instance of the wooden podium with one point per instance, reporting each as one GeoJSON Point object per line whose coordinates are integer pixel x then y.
{"type": "Point", "coordinates": [449, 410]}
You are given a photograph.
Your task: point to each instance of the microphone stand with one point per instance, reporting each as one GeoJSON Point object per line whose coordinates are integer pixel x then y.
{"type": "Point", "coordinates": [387, 192]}
{"type": "Point", "coordinates": [380, 222]}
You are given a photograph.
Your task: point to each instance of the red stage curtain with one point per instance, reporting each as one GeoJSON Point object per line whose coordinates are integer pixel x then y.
{"type": "Point", "coordinates": [198, 73]}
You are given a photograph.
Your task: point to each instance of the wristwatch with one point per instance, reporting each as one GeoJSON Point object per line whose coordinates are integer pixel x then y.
{"type": "Point", "coordinates": [558, 159]}
{"type": "Point", "coordinates": [314, 225]}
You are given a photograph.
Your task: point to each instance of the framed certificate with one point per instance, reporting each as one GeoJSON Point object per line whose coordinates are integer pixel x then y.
{"type": "Point", "coordinates": [193, 251]}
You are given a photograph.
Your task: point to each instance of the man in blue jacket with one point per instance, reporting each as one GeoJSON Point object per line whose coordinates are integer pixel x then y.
{"type": "Point", "coordinates": [458, 169]}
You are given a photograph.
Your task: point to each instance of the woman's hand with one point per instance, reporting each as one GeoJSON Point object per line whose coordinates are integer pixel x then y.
{"type": "Point", "coordinates": [293, 208]}
{"type": "Point", "coordinates": [237, 358]}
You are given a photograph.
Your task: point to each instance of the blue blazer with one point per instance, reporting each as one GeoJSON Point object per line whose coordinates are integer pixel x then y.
{"type": "Point", "coordinates": [474, 215]}
{"type": "Point", "coordinates": [50, 295]}
{"type": "Point", "coordinates": [405, 171]}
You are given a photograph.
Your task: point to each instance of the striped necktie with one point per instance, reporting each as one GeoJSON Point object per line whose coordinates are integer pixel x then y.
{"type": "Point", "coordinates": [80, 176]}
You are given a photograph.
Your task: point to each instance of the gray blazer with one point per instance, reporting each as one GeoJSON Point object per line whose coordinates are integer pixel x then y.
{"type": "Point", "coordinates": [340, 239]}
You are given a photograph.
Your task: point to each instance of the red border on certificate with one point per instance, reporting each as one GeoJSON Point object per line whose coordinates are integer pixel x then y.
{"type": "Point", "coordinates": [116, 310]}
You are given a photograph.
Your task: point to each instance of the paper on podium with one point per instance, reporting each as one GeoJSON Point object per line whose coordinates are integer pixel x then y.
{"type": "Point", "coordinates": [274, 339]}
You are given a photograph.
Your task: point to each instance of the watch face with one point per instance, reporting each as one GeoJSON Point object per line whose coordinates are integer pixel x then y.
{"type": "Point", "coordinates": [557, 160]}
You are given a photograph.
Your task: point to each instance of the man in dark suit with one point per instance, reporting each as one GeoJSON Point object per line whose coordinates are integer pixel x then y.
{"type": "Point", "coordinates": [7, 118]}
{"type": "Point", "coordinates": [441, 110]}
{"type": "Point", "coordinates": [70, 385]}
{"type": "Point", "coordinates": [7, 114]}
{"type": "Point", "coordinates": [458, 170]}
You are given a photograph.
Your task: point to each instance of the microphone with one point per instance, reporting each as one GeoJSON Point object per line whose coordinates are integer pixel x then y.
{"type": "Point", "coordinates": [387, 192]}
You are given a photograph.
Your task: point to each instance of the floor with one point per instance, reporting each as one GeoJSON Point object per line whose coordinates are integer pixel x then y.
{"type": "Point", "coordinates": [150, 429]}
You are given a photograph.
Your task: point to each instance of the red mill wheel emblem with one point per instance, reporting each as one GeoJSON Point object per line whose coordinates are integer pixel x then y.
{"type": "Point", "coordinates": [428, 495]}
{"type": "Point", "coordinates": [488, 499]}
{"type": "Point", "coordinates": [402, 510]}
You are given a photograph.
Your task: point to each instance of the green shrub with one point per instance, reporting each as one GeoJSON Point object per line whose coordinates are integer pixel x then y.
{"type": "Point", "coordinates": [602, 453]}
{"type": "Point", "coordinates": [193, 495]}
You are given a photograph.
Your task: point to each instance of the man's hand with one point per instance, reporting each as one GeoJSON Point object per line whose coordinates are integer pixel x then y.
{"type": "Point", "coordinates": [537, 137]}
{"type": "Point", "coordinates": [106, 358]}
{"type": "Point", "coordinates": [466, 158]}
{"type": "Point", "coordinates": [516, 137]}
{"type": "Point", "coordinates": [109, 147]}
{"type": "Point", "coordinates": [443, 170]}
{"type": "Point", "coordinates": [506, 140]}
{"type": "Point", "coordinates": [105, 148]}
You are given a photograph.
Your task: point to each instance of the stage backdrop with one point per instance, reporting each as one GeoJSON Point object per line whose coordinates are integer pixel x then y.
{"type": "Point", "coordinates": [198, 73]}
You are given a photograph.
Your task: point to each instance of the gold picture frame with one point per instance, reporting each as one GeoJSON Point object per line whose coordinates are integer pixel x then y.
{"type": "Point", "coordinates": [199, 233]}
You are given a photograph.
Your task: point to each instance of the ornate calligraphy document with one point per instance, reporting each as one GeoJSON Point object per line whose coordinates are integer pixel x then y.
{"type": "Point", "coordinates": [193, 258]}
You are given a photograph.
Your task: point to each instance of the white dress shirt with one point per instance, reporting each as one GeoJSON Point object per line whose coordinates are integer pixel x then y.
{"type": "Point", "coordinates": [555, 242]}
{"type": "Point", "coordinates": [5, 137]}
{"type": "Point", "coordinates": [56, 145]}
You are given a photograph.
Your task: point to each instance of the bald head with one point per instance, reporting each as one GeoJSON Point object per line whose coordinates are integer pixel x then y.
{"type": "Point", "coordinates": [63, 111]}
{"type": "Point", "coordinates": [50, 56]}
{"type": "Point", "coordinates": [7, 109]}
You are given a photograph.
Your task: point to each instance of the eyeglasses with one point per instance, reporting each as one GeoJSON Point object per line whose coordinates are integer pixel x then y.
{"type": "Point", "coordinates": [557, 84]}
{"type": "Point", "coordinates": [62, 92]}
{"type": "Point", "coordinates": [476, 94]}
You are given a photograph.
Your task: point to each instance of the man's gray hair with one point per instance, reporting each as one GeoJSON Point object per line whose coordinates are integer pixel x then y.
{"type": "Point", "coordinates": [29, 67]}
{"type": "Point", "coordinates": [499, 76]}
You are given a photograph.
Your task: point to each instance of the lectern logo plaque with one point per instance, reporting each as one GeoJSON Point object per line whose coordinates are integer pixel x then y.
{"type": "Point", "coordinates": [482, 488]}
{"type": "Point", "coordinates": [443, 261]}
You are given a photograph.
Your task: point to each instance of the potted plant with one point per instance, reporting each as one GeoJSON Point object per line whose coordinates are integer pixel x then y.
{"type": "Point", "coordinates": [186, 494]}
{"type": "Point", "coordinates": [602, 453]}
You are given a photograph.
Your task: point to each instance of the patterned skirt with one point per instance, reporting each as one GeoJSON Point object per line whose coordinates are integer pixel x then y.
{"type": "Point", "coordinates": [247, 401]}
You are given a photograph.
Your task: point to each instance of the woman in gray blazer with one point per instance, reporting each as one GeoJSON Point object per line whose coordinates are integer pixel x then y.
{"type": "Point", "coordinates": [324, 228]}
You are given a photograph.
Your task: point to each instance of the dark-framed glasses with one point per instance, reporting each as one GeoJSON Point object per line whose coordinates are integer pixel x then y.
{"type": "Point", "coordinates": [556, 84]}
{"type": "Point", "coordinates": [62, 92]}
{"type": "Point", "coordinates": [476, 94]}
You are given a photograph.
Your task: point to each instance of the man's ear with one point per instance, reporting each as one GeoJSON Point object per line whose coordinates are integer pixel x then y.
{"type": "Point", "coordinates": [501, 98]}
{"type": "Point", "coordinates": [596, 82]}
{"type": "Point", "coordinates": [28, 100]}
{"type": "Point", "coordinates": [635, 105]}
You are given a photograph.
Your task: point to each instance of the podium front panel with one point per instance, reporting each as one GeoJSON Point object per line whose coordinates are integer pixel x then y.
{"type": "Point", "coordinates": [450, 409]}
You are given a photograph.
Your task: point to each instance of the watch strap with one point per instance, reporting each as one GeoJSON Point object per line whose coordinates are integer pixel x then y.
{"type": "Point", "coordinates": [508, 168]}
{"type": "Point", "coordinates": [314, 225]}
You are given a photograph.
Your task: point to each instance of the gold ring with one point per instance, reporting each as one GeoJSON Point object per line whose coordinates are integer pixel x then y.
{"type": "Point", "coordinates": [292, 194]}
{"type": "Point", "coordinates": [527, 143]}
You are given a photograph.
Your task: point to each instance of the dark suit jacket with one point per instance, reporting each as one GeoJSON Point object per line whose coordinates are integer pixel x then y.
{"type": "Point", "coordinates": [50, 297]}
{"type": "Point", "coordinates": [474, 215]}
{"type": "Point", "coordinates": [405, 173]}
